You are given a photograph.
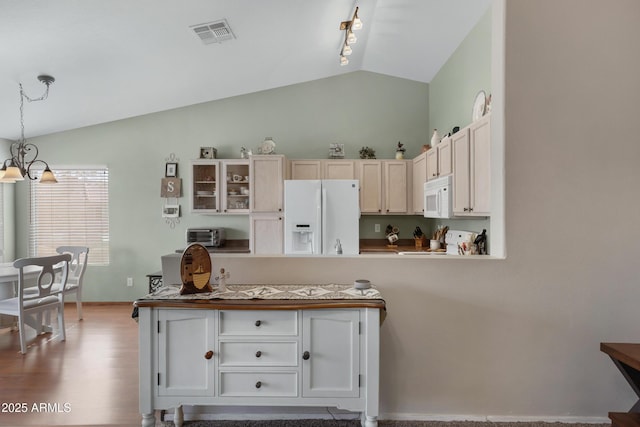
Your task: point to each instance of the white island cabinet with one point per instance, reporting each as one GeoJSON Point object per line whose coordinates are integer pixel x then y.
{"type": "Point", "coordinates": [306, 352]}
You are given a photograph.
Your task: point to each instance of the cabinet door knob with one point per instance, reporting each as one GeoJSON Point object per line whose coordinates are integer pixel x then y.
{"type": "Point", "coordinates": [258, 353]}
{"type": "Point", "coordinates": [258, 323]}
{"type": "Point", "coordinates": [306, 355]}
{"type": "Point", "coordinates": [208, 355]}
{"type": "Point", "coordinates": [258, 384]}
{"type": "Point", "coordinates": [465, 209]}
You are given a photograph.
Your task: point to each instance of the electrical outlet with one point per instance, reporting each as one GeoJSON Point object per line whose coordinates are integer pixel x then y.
{"type": "Point", "coordinates": [377, 228]}
{"type": "Point", "coordinates": [130, 281]}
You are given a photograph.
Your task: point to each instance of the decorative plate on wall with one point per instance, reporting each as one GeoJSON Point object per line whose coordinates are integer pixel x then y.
{"type": "Point", "coordinates": [479, 106]}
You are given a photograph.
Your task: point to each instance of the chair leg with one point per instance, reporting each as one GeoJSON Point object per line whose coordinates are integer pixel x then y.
{"type": "Point", "coordinates": [79, 303]}
{"type": "Point", "coordinates": [23, 344]}
{"type": "Point", "coordinates": [63, 335]}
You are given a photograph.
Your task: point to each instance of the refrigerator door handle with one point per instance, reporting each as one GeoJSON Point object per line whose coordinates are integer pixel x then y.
{"type": "Point", "coordinates": [317, 243]}
{"type": "Point", "coordinates": [325, 244]}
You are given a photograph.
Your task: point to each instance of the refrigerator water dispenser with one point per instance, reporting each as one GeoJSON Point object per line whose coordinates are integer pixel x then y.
{"type": "Point", "coordinates": [302, 239]}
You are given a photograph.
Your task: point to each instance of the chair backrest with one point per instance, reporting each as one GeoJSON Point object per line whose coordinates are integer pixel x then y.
{"type": "Point", "coordinates": [46, 281]}
{"type": "Point", "coordinates": [78, 264]}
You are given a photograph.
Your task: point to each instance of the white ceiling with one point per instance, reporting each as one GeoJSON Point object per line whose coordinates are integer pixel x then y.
{"type": "Point", "coordinates": [114, 59]}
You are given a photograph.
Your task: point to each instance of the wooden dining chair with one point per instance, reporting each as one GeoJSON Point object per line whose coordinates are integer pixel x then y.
{"type": "Point", "coordinates": [77, 268]}
{"type": "Point", "coordinates": [29, 307]}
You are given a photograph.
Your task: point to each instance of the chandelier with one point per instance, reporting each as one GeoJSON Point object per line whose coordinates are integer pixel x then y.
{"type": "Point", "coordinates": [24, 154]}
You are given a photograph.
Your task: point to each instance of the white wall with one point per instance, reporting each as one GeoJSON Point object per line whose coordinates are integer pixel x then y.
{"type": "Point", "coordinates": [520, 337]}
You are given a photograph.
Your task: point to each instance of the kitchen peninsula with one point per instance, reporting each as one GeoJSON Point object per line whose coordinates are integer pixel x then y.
{"type": "Point", "coordinates": [277, 345]}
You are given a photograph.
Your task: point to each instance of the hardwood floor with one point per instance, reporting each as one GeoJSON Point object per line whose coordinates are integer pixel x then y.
{"type": "Point", "coordinates": [89, 379]}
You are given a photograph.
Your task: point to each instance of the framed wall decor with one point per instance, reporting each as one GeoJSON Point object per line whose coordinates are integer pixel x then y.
{"type": "Point", "coordinates": [336, 151]}
{"type": "Point", "coordinates": [171, 170]}
{"type": "Point", "coordinates": [171, 211]}
{"type": "Point", "coordinates": [171, 187]}
{"type": "Point", "coordinates": [208, 153]}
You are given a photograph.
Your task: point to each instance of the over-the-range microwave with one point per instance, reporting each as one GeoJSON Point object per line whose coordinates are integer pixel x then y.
{"type": "Point", "coordinates": [438, 198]}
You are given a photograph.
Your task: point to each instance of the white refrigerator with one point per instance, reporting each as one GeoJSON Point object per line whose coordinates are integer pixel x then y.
{"type": "Point", "coordinates": [322, 217]}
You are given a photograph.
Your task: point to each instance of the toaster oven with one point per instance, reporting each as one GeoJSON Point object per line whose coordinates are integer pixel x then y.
{"type": "Point", "coordinates": [208, 237]}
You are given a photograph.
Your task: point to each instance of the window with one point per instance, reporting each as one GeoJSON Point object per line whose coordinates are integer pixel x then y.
{"type": "Point", "coordinates": [75, 211]}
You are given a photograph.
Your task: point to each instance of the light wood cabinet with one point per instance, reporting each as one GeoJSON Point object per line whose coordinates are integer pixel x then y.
{"type": "Point", "coordinates": [236, 186]}
{"type": "Point", "coordinates": [472, 169]}
{"type": "Point", "coordinates": [306, 169]}
{"type": "Point", "coordinates": [205, 186]}
{"type": "Point", "coordinates": [220, 186]}
{"type": "Point", "coordinates": [419, 169]}
{"type": "Point", "coordinates": [267, 183]}
{"type": "Point", "coordinates": [370, 173]}
{"type": "Point", "coordinates": [267, 233]}
{"type": "Point", "coordinates": [339, 169]}
{"type": "Point", "coordinates": [439, 160]}
{"type": "Point", "coordinates": [323, 169]}
{"type": "Point", "coordinates": [445, 157]}
{"type": "Point", "coordinates": [397, 186]}
{"type": "Point", "coordinates": [385, 186]}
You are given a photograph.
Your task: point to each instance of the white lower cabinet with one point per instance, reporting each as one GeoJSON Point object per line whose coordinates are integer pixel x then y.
{"type": "Point", "coordinates": [286, 357]}
{"type": "Point", "coordinates": [330, 340]}
{"type": "Point", "coordinates": [185, 373]}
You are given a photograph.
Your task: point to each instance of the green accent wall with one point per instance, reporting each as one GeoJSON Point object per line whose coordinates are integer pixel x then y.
{"type": "Point", "coordinates": [468, 70]}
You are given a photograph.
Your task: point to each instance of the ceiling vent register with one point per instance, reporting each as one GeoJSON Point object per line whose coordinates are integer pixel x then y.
{"type": "Point", "coordinates": [213, 32]}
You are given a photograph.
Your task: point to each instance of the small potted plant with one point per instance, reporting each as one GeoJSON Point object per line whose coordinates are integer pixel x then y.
{"type": "Point", "coordinates": [400, 151]}
{"type": "Point", "coordinates": [367, 153]}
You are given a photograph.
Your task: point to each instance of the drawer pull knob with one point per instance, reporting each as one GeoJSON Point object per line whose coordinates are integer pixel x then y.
{"type": "Point", "coordinates": [258, 353]}
{"type": "Point", "coordinates": [306, 355]}
{"type": "Point", "coordinates": [208, 355]}
{"type": "Point", "coordinates": [258, 384]}
{"type": "Point", "coordinates": [258, 323]}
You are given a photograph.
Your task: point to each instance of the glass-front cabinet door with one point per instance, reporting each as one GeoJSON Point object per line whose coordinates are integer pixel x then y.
{"type": "Point", "coordinates": [235, 174]}
{"type": "Point", "coordinates": [205, 191]}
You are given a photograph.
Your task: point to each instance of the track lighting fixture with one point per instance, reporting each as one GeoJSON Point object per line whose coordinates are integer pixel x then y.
{"type": "Point", "coordinates": [349, 37]}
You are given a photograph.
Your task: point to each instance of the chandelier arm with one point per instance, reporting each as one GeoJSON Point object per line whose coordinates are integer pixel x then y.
{"type": "Point", "coordinates": [28, 171]}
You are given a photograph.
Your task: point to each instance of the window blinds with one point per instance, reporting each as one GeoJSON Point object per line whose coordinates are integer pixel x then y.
{"type": "Point", "coordinates": [75, 211]}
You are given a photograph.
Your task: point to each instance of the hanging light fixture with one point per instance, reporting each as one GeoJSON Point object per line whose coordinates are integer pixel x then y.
{"type": "Point", "coordinates": [24, 154]}
{"type": "Point", "coordinates": [349, 37]}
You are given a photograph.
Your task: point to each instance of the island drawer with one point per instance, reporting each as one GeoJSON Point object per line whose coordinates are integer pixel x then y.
{"type": "Point", "coordinates": [258, 353]}
{"type": "Point", "coordinates": [254, 384]}
{"type": "Point", "coordinates": [258, 322]}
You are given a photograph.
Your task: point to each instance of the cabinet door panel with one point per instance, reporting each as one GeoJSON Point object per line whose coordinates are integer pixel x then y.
{"type": "Point", "coordinates": [267, 234]}
{"type": "Point", "coordinates": [184, 337]}
{"type": "Point", "coordinates": [267, 183]}
{"type": "Point", "coordinates": [445, 164]}
{"type": "Point", "coordinates": [370, 186]}
{"type": "Point", "coordinates": [396, 186]}
{"type": "Point", "coordinates": [432, 163]}
{"type": "Point", "coordinates": [460, 143]}
{"type": "Point", "coordinates": [332, 339]}
{"type": "Point", "coordinates": [419, 178]}
{"type": "Point", "coordinates": [481, 168]}
{"type": "Point", "coordinates": [305, 169]}
{"type": "Point", "coordinates": [339, 169]}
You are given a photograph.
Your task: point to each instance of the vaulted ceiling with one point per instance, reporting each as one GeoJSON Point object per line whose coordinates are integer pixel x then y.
{"type": "Point", "coordinates": [114, 59]}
